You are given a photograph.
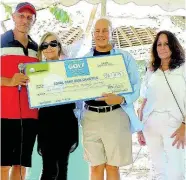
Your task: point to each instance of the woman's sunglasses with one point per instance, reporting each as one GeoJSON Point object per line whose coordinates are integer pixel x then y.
{"type": "Point", "coordinates": [45, 45]}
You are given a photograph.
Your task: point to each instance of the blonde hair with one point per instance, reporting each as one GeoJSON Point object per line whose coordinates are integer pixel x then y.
{"type": "Point", "coordinates": [43, 39]}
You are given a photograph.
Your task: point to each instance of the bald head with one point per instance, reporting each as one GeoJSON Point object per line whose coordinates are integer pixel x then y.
{"type": "Point", "coordinates": [102, 31]}
{"type": "Point", "coordinates": [103, 22]}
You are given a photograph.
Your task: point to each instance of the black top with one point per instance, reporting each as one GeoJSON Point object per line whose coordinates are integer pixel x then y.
{"type": "Point", "coordinates": [57, 112]}
{"type": "Point", "coordinates": [58, 129]}
{"type": "Point", "coordinates": [93, 102]}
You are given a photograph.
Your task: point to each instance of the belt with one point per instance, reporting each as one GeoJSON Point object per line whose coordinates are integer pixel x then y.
{"type": "Point", "coordinates": [102, 109]}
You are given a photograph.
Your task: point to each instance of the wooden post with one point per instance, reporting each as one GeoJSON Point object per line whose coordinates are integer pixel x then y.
{"type": "Point", "coordinates": [103, 7]}
{"type": "Point", "coordinates": [91, 19]}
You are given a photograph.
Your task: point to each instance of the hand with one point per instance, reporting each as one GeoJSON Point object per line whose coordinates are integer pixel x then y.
{"type": "Point", "coordinates": [140, 114]}
{"type": "Point", "coordinates": [111, 99]}
{"type": "Point", "coordinates": [180, 137]}
{"type": "Point", "coordinates": [19, 79]}
{"type": "Point", "coordinates": [138, 111]}
{"type": "Point", "coordinates": [141, 139]}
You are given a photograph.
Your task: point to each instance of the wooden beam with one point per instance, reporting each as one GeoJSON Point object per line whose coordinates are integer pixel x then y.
{"type": "Point", "coordinates": [91, 20]}
{"type": "Point", "coordinates": [78, 36]}
{"type": "Point", "coordinates": [71, 35]}
{"type": "Point", "coordinates": [117, 36]}
{"type": "Point", "coordinates": [178, 21]}
{"type": "Point", "coordinates": [136, 34]}
{"type": "Point", "coordinates": [149, 33]}
{"type": "Point", "coordinates": [125, 36]}
{"type": "Point", "coordinates": [103, 7]}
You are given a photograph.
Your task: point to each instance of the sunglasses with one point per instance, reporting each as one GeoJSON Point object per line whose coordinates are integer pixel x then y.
{"type": "Point", "coordinates": [45, 45]}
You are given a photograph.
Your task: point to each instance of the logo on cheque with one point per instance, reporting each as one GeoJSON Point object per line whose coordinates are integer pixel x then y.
{"type": "Point", "coordinates": [77, 67]}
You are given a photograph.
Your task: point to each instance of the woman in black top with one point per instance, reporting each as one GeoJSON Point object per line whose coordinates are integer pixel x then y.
{"type": "Point", "coordinates": [58, 126]}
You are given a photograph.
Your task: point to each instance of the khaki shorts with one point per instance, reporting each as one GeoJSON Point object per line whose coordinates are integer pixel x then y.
{"type": "Point", "coordinates": [107, 138]}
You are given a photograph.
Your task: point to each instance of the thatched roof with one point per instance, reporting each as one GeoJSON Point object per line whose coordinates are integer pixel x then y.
{"type": "Point", "coordinates": [130, 31]}
{"type": "Point", "coordinates": [179, 21]}
{"type": "Point", "coordinates": [124, 37]}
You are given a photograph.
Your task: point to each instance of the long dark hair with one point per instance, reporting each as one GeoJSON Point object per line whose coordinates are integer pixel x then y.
{"type": "Point", "coordinates": [177, 56]}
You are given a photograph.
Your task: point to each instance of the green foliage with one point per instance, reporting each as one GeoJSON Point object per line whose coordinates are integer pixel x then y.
{"type": "Point", "coordinates": [60, 14]}
{"type": "Point", "coordinates": [8, 10]}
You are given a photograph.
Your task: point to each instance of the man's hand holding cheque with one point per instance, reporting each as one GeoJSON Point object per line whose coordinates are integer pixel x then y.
{"type": "Point", "coordinates": [111, 99]}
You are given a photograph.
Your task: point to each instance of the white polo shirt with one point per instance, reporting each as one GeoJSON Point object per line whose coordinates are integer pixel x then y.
{"type": "Point", "coordinates": [158, 94]}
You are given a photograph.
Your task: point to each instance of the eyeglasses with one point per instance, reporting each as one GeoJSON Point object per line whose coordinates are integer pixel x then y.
{"type": "Point", "coordinates": [45, 45]}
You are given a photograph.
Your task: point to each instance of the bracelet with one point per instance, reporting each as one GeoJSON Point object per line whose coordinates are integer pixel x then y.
{"type": "Point", "coordinates": [183, 122]}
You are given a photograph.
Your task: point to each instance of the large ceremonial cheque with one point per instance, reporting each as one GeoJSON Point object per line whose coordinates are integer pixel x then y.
{"type": "Point", "coordinates": [70, 80]}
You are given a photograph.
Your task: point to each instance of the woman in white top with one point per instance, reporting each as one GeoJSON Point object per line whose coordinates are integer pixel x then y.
{"type": "Point", "coordinates": [163, 110]}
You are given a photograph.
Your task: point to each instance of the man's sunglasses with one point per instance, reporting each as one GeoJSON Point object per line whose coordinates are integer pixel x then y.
{"type": "Point", "coordinates": [45, 45]}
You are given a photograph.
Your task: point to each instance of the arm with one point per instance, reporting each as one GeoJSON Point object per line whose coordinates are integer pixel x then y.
{"type": "Point", "coordinates": [5, 81]}
{"type": "Point", "coordinates": [17, 79]}
{"type": "Point", "coordinates": [140, 136]}
{"type": "Point", "coordinates": [141, 109]}
{"type": "Point", "coordinates": [179, 134]}
{"type": "Point", "coordinates": [134, 79]}
{"type": "Point", "coordinates": [143, 92]}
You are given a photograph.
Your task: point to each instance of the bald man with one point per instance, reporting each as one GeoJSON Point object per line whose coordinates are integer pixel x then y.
{"type": "Point", "coordinates": [108, 122]}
